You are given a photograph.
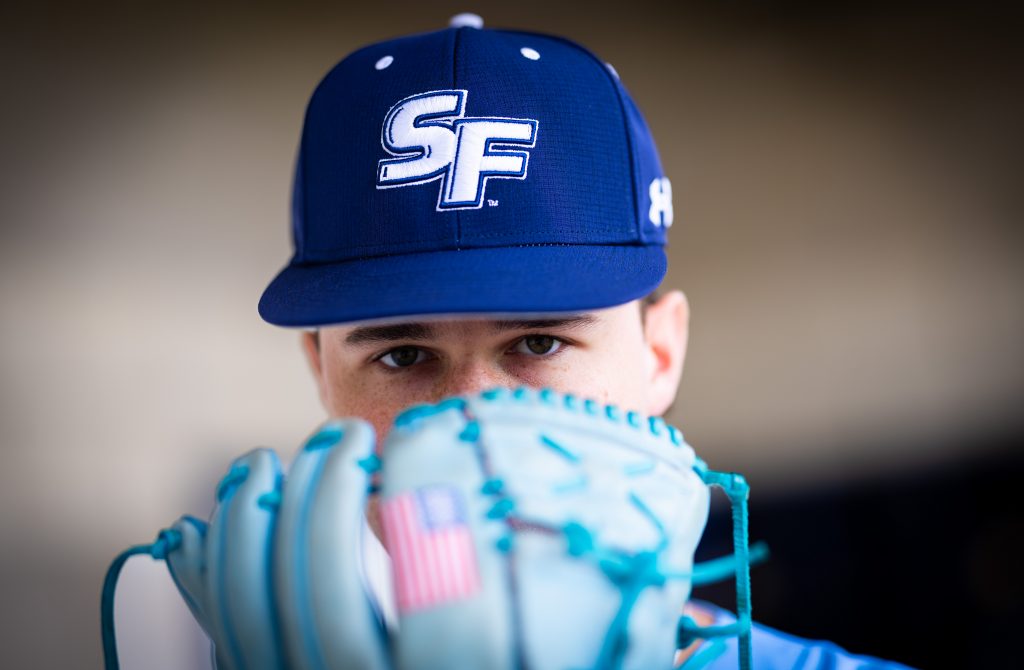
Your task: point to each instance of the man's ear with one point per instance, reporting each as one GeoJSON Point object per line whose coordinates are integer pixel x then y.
{"type": "Point", "coordinates": [311, 347]}
{"type": "Point", "coordinates": [666, 330]}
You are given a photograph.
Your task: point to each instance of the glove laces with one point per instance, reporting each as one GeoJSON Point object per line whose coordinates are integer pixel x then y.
{"type": "Point", "coordinates": [167, 541]}
{"type": "Point", "coordinates": [737, 490]}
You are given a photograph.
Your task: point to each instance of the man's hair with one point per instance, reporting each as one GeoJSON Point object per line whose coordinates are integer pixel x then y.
{"type": "Point", "coordinates": [648, 300]}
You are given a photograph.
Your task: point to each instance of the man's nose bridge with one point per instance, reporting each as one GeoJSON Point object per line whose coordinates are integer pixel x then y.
{"type": "Point", "coordinates": [473, 375]}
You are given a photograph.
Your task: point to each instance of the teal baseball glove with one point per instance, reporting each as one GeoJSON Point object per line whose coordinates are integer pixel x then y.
{"type": "Point", "coordinates": [526, 529]}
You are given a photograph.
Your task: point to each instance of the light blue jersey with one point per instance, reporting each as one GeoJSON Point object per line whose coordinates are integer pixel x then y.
{"type": "Point", "coordinates": [775, 650]}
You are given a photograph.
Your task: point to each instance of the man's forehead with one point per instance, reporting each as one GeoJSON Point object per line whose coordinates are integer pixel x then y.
{"type": "Point", "coordinates": [430, 329]}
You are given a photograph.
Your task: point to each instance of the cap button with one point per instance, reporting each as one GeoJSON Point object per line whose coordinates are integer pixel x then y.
{"type": "Point", "coordinates": [466, 20]}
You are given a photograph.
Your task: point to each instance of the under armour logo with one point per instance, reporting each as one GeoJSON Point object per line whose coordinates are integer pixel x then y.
{"type": "Point", "coordinates": [661, 202]}
{"type": "Point", "coordinates": [431, 139]}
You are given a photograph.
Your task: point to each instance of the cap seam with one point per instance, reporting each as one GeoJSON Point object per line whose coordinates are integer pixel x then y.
{"type": "Point", "coordinates": [302, 175]}
{"type": "Point", "coordinates": [616, 87]}
{"type": "Point", "coordinates": [479, 237]}
{"type": "Point", "coordinates": [504, 246]}
{"type": "Point", "coordinates": [455, 78]}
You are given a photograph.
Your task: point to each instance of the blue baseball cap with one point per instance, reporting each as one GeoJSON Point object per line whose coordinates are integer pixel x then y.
{"type": "Point", "coordinates": [471, 171]}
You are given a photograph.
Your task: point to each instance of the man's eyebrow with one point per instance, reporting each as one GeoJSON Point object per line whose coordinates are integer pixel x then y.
{"type": "Point", "coordinates": [424, 331]}
{"type": "Point", "coordinates": [398, 331]}
{"type": "Point", "coordinates": [577, 321]}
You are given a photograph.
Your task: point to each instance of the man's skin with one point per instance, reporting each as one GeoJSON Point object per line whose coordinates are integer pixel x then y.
{"type": "Point", "coordinates": [631, 355]}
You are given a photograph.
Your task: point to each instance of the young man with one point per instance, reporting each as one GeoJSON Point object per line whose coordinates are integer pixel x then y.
{"type": "Point", "coordinates": [478, 208]}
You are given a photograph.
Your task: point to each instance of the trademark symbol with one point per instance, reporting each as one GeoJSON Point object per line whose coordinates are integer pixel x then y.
{"type": "Point", "coordinates": [492, 203]}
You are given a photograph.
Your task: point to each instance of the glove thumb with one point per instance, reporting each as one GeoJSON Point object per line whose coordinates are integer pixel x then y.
{"type": "Point", "coordinates": [187, 565]}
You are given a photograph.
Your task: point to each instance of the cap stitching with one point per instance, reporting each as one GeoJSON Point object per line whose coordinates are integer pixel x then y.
{"type": "Point", "coordinates": [310, 264]}
{"type": "Point", "coordinates": [481, 236]}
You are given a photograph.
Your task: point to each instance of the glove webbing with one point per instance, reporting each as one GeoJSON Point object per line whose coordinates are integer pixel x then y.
{"type": "Point", "coordinates": [631, 573]}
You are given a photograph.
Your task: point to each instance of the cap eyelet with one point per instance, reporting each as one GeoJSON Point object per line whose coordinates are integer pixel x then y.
{"type": "Point", "coordinates": [532, 54]}
{"type": "Point", "coordinates": [384, 62]}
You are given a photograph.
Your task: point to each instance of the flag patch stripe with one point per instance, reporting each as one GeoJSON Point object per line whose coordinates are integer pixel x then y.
{"type": "Point", "coordinates": [431, 548]}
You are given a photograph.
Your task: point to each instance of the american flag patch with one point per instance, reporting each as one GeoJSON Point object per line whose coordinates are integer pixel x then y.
{"type": "Point", "coordinates": [431, 547]}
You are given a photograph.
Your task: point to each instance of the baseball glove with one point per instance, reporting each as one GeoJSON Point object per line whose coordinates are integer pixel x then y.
{"type": "Point", "coordinates": [527, 529]}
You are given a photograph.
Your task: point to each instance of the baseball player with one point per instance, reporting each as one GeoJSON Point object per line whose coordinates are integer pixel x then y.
{"type": "Point", "coordinates": [481, 209]}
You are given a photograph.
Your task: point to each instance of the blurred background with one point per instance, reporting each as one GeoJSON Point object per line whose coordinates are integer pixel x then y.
{"type": "Point", "coordinates": [848, 202]}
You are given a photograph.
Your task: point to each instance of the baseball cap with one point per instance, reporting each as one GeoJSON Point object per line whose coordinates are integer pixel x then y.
{"type": "Point", "coordinates": [471, 171]}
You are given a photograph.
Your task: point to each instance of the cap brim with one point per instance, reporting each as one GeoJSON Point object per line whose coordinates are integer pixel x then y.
{"type": "Point", "coordinates": [506, 280]}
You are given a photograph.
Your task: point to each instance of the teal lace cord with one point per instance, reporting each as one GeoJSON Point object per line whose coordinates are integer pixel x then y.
{"type": "Point", "coordinates": [167, 541]}
{"type": "Point", "coordinates": [737, 490]}
{"type": "Point", "coordinates": [717, 569]}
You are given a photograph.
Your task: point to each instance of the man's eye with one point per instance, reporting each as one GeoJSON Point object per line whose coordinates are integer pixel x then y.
{"type": "Point", "coordinates": [538, 345]}
{"type": "Point", "coordinates": [403, 357]}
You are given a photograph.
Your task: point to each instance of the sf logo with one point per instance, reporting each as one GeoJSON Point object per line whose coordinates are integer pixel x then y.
{"type": "Point", "coordinates": [430, 138]}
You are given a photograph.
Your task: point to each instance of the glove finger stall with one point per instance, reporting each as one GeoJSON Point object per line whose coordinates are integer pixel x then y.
{"type": "Point", "coordinates": [348, 632]}
{"type": "Point", "coordinates": [451, 584]}
{"type": "Point", "coordinates": [238, 569]}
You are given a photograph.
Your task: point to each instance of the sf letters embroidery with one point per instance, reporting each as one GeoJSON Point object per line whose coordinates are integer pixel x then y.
{"type": "Point", "coordinates": [430, 138]}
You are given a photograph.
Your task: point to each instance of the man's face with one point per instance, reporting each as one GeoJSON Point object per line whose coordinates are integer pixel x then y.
{"type": "Point", "coordinates": [628, 355]}
{"type": "Point", "coordinates": [615, 355]}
